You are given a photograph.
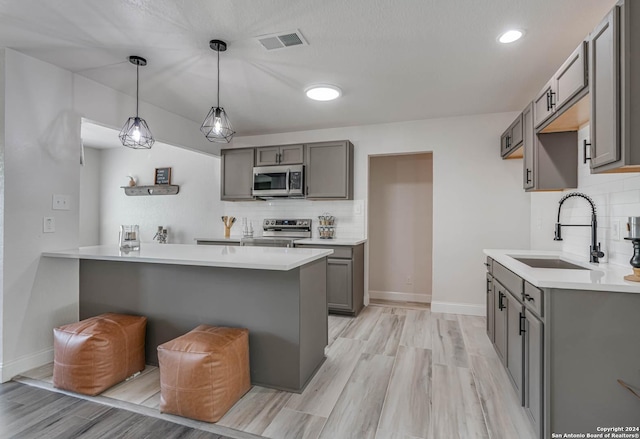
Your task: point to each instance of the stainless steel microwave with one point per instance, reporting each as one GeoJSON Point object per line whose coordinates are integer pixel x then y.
{"type": "Point", "coordinates": [278, 181]}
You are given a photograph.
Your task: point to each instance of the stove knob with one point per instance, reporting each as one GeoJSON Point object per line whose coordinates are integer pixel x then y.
{"type": "Point", "coordinates": [305, 223]}
{"type": "Point", "coordinates": [298, 223]}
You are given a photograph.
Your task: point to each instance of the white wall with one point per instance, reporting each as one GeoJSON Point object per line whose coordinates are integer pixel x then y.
{"type": "Point", "coordinates": [617, 196]}
{"type": "Point", "coordinates": [194, 212]}
{"type": "Point", "coordinates": [2, 111]}
{"type": "Point", "coordinates": [41, 158]}
{"type": "Point", "coordinates": [401, 227]}
{"type": "Point", "coordinates": [108, 107]}
{"type": "Point", "coordinates": [90, 178]}
{"type": "Point", "coordinates": [478, 201]}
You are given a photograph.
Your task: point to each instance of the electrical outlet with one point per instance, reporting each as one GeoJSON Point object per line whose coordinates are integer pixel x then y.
{"type": "Point", "coordinates": [409, 280]}
{"type": "Point", "coordinates": [357, 208]}
{"type": "Point", "coordinates": [49, 224]}
{"type": "Point", "coordinates": [615, 230]}
{"type": "Point", "coordinates": [61, 202]}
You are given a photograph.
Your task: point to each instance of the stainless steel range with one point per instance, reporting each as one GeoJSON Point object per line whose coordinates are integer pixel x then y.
{"type": "Point", "coordinates": [280, 233]}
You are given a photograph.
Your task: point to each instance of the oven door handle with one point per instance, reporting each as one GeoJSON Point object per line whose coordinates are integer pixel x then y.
{"type": "Point", "coordinates": [288, 173]}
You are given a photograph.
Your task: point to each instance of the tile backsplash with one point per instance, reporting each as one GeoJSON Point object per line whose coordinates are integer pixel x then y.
{"type": "Point", "coordinates": [350, 218]}
{"type": "Point", "coordinates": [616, 196]}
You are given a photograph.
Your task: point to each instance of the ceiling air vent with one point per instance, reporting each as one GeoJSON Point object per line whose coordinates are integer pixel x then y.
{"type": "Point", "coordinates": [281, 40]}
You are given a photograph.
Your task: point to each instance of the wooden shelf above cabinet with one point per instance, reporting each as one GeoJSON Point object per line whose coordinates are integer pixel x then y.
{"type": "Point", "coordinates": [158, 189]}
{"type": "Point", "coordinates": [574, 118]}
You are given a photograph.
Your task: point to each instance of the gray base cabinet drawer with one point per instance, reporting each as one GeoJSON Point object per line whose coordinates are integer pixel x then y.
{"type": "Point", "coordinates": [506, 277]}
{"type": "Point", "coordinates": [533, 298]}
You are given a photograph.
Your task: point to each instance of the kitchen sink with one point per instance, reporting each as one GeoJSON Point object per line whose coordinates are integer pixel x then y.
{"type": "Point", "coordinates": [556, 263]}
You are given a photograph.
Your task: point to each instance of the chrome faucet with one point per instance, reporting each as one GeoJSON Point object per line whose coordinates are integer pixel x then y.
{"type": "Point", "coordinates": [594, 251]}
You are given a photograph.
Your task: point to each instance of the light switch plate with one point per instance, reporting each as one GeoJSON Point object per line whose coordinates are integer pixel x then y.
{"type": "Point", "coordinates": [61, 202]}
{"type": "Point", "coordinates": [615, 230]}
{"type": "Point", "coordinates": [49, 224]}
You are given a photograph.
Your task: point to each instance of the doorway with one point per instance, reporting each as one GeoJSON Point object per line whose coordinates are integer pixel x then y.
{"type": "Point", "coordinates": [400, 227]}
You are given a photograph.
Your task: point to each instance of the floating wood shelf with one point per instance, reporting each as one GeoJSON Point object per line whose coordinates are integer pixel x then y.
{"type": "Point", "coordinates": [158, 189]}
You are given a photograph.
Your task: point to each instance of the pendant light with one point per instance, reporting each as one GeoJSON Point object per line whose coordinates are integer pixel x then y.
{"type": "Point", "coordinates": [136, 133]}
{"type": "Point", "coordinates": [217, 126]}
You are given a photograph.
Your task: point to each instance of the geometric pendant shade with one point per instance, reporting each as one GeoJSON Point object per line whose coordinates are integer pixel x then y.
{"type": "Point", "coordinates": [135, 133]}
{"type": "Point", "coordinates": [217, 126]}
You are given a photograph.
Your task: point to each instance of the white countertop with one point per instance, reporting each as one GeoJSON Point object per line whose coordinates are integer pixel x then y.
{"type": "Point", "coordinates": [599, 277]}
{"type": "Point", "coordinates": [336, 241]}
{"type": "Point", "coordinates": [306, 241]}
{"type": "Point", "coordinates": [258, 258]}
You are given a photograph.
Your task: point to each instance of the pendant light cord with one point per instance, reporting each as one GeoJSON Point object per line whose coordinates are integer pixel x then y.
{"type": "Point", "coordinates": [218, 76]}
{"type": "Point", "coordinates": [137, 87]}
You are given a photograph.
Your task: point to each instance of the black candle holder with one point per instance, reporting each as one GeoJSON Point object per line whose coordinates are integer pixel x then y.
{"type": "Point", "coordinates": [635, 260]}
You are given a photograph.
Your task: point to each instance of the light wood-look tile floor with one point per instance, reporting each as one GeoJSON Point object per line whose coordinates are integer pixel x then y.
{"type": "Point", "coordinates": [394, 372]}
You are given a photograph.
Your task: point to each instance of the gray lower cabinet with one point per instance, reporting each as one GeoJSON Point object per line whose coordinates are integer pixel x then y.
{"type": "Point", "coordinates": [345, 278]}
{"type": "Point", "coordinates": [340, 284]}
{"type": "Point", "coordinates": [329, 170]}
{"type": "Point", "coordinates": [237, 174]}
{"type": "Point", "coordinates": [515, 342]}
{"type": "Point", "coordinates": [533, 369]}
{"type": "Point", "coordinates": [490, 309]}
{"type": "Point", "coordinates": [220, 241]}
{"type": "Point", "coordinates": [564, 352]}
{"type": "Point", "coordinates": [500, 320]}
{"type": "Point", "coordinates": [280, 155]}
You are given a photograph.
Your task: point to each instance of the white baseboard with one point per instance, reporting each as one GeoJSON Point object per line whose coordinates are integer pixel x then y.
{"type": "Point", "coordinates": [27, 362]}
{"type": "Point", "coordinates": [468, 309]}
{"type": "Point", "coordinates": [400, 297]}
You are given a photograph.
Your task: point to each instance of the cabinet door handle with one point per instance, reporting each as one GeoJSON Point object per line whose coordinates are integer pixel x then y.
{"type": "Point", "coordinates": [584, 151]}
{"type": "Point", "coordinates": [528, 174]}
{"type": "Point", "coordinates": [500, 304]}
{"type": "Point", "coordinates": [488, 286]}
{"type": "Point", "coordinates": [521, 325]}
{"type": "Point", "coordinates": [551, 103]}
{"type": "Point", "coordinates": [548, 101]}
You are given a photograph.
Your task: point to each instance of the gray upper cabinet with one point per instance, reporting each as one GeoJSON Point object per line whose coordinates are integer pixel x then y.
{"type": "Point", "coordinates": [329, 170]}
{"type": "Point", "coordinates": [236, 174]}
{"type": "Point", "coordinates": [571, 78]}
{"type": "Point", "coordinates": [528, 146]}
{"type": "Point", "coordinates": [511, 139]}
{"type": "Point", "coordinates": [550, 159]}
{"type": "Point", "coordinates": [568, 85]}
{"type": "Point", "coordinates": [604, 89]}
{"type": "Point", "coordinates": [542, 104]}
{"type": "Point", "coordinates": [280, 155]}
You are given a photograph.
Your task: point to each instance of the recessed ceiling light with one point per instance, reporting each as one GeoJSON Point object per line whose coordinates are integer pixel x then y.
{"type": "Point", "coordinates": [323, 92]}
{"type": "Point", "coordinates": [510, 36]}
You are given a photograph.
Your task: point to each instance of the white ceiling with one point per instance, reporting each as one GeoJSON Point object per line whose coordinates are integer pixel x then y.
{"type": "Point", "coordinates": [394, 59]}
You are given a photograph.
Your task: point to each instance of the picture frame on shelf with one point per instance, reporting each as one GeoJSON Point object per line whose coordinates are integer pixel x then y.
{"type": "Point", "coordinates": [163, 176]}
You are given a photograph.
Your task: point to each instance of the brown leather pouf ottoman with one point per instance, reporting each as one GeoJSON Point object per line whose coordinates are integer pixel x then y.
{"type": "Point", "coordinates": [92, 355]}
{"type": "Point", "coordinates": [204, 372]}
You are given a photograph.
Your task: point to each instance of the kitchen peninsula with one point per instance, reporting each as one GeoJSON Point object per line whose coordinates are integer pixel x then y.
{"type": "Point", "coordinates": [279, 294]}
